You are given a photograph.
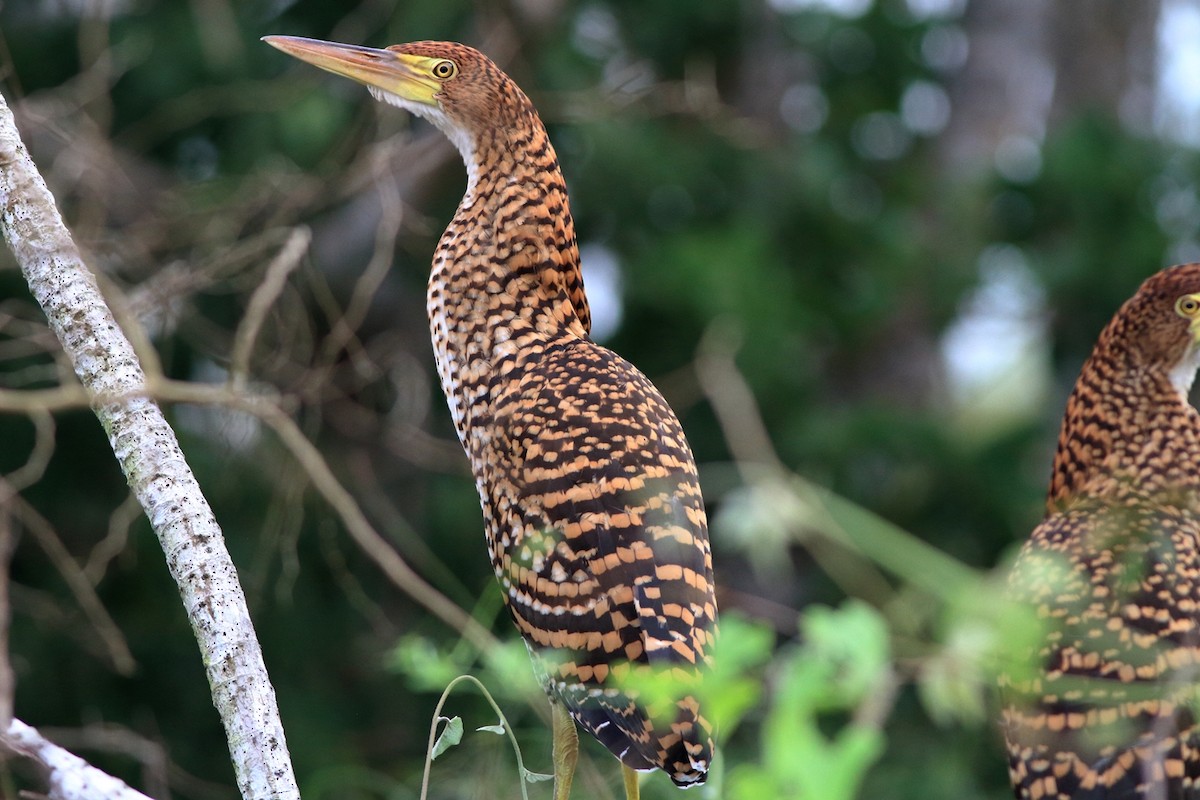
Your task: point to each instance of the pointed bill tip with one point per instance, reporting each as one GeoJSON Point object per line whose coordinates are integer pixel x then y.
{"type": "Point", "coordinates": [274, 39]}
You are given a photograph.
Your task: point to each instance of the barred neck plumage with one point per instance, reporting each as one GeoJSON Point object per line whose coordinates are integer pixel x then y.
{"type": "Point", "coordinates": [1128, 427]}
{"type": "Point", "coordinates": [506, 280]}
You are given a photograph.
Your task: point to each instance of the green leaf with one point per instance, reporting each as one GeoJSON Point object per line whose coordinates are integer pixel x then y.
{"type": "Point", "coordinates": [849, 647]}
{"type": "Point", "coordinates": [537, 777]}
{"type": "Point", "coordinates": [735, 683]}
{"type": "Point", "coordinates": [427, 666]}
{"type": "Point", "coordinates": [496, 729]}
{"type": "Point", "coordinates": [450, 736]}
{"type": "Point", "coordinates": [984, 632]}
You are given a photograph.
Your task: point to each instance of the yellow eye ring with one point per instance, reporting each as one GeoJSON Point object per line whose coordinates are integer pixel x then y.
{"type": "Point", "coordinates": [444, 70]}
{"type": "Point", "coordinates": [1187, 306]}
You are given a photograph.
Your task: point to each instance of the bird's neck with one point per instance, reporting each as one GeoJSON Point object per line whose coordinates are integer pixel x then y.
{"type": "Point", "coordinates": [506, 282]}
{"type": "Point", "coordinates": [1128, 428]}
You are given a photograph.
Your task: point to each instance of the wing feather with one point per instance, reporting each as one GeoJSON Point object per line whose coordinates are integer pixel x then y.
{"type": "Point", "coordinates": [602, 546]}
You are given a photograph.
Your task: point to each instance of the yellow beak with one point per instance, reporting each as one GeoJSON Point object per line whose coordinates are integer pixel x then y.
{"type": "Point", "coordinates": [404, 75]}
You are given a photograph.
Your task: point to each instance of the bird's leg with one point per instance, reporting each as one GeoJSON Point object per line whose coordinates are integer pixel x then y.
{"type": "Point", "coordinates": [566, 750]}
{"type": "Point", "coordinates": [631, 783]}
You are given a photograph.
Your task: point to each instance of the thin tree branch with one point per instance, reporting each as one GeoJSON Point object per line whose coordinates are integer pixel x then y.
{"type": "Point", "coordinates": [43, 449]}
{"type": "Point", "coordinates": [110, 738]}
{"type": "Point", "coordinates": [746, 434]}
{"type": "Point", "coordinates": [30, 401]}
{"type": "Point", "coordinates": [361, 530]}
{"type": "Point", "coordinates": [70, 777]}
{"type": "Point", "coordinates": [838, 521]}
{"type": "Point", "coordinates": [261, 301]}
{"type": "Point", "coordinates": [113, 543]}
{"type": "Point", "coordinates": [265, 407]}
{"type": "Point", "coordinates": [77, 580]}
{"type": "Point", "coordinates": [346, 326]}
{"type": "Point", "coordinates": [342, 502]}
{"type": "Point", "coordinates": [8, 681]}
{"type": "Point", "coordinates": [155, 467]}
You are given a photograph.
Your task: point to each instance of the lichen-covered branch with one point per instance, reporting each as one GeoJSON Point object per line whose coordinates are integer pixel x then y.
{"type": "Point", "coordinates": [69, 776]}
{"type": "Point", "coordinates": [155, 467]}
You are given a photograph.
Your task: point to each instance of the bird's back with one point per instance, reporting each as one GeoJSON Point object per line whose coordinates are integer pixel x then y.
{"type": "Point", "coordinates": [599, 539]}
{"type": "Point", "coordinates": [1104, 710]}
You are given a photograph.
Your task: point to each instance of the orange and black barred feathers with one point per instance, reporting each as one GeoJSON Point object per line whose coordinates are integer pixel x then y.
{"type": "Point", "coordinates": [589, 491]}
{"type": "Point", "coordinates": [1105, 706]}
{"type": "Point", "coordinates": [599, 540]}
{"type": "Point", "coordinates": [1105, 712]}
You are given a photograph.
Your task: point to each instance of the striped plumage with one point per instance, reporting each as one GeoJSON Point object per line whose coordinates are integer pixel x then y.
{"type": "Point", "coordinates": [1113, 571]}
{"type": "Point", "coordinates": [589, 492]}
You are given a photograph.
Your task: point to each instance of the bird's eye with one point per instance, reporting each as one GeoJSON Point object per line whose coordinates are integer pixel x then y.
{"type": "Point", "coordinates": [445, 70]}
{"type": "Point", "coordinates": [1187, 306]}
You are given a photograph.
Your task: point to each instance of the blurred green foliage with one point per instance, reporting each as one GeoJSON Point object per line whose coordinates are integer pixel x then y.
{"type": "Point", "coordinates": [749, 169]}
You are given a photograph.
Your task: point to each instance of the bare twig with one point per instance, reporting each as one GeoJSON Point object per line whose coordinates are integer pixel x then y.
{"type": "Point", "coordinates": [748, 439]}
{"type": "Point", "coordinates": [265, 407]}
{"type": "Point", "coordinates": [361, 530]}
{"type": "Point", "coordinates": [114, 541]}
{"type": "Point", "coordinates": [32, 401]}
{"type": "Point", "coordinates": [261, 301]}
{"type": "Point", "coordinates": [7, 679]}
{"type": "Point", "coordinates": [841, 523]}
{"type": "Point", "coordinates": [733, 401]}
{"type": "Point", "coordinates": [343, 503]}
{"type": "Point", "coordinates": [83, 589]}
{"type": "Point", "coordinates": [43, 448]}
{"type": "Point", "coordinates": [346, 326]}
{"type": "Point", "coordinates": [156, 469]}
{"type": "Point", "coordinates": [412, 546]}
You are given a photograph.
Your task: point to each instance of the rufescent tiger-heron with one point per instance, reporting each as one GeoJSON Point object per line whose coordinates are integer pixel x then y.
{"type": "Point", "coordinates": [1104, 706]}
{"type": "Point", "coordinates": [590, 497]}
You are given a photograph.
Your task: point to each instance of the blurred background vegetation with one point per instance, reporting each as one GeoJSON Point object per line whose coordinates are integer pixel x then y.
{"type": "Point", "coordinates": [868, 243]}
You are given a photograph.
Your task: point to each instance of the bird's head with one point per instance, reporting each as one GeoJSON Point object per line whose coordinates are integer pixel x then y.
{"type": "Point", "coordinates": [457, 88]}
{"type": "Point", "coordinates": [1160, 325]}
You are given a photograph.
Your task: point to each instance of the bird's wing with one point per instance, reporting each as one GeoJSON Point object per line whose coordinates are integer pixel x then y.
{"type": "Point", "coordinates": [1102, 710]}
{"type": "Point", "coordinates": [602, 543]}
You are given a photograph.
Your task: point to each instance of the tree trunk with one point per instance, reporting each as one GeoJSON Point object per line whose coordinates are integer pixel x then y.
{"type": "Point", "coordinates": [155, 467]}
